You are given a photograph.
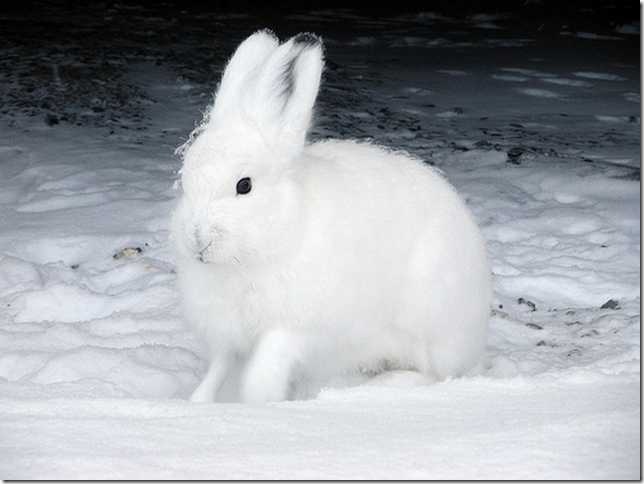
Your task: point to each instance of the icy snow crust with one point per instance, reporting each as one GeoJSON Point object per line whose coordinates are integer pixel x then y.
{"type": "Point", "coordinates": [541, 136]}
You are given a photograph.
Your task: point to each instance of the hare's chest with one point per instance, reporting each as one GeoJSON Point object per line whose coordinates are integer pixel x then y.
{"type": "Point", "coordinates": [263, 303]}
{"type": "Point", "coordinates": [263, 300]}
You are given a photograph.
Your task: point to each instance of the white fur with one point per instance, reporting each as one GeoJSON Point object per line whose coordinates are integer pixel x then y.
{"type": "Point", "coordinates": [343, 255]}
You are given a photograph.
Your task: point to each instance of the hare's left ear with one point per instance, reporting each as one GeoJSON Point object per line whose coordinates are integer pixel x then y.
{"type": "Point", "coordinates": [247, 59]}
{"type": "Point", "coordinates": [284, 92]}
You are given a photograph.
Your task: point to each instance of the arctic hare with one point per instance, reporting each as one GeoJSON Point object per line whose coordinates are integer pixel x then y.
{"type": "Point", "coordinates": [337, 254]}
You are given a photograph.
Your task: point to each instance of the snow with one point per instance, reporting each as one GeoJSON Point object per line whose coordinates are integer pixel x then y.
{"type": "Point", "coordinates": [593, 36]}
{"type": "Point", "coordinates": [599, 75]}
{"type": "Point", "coordinates": [633, 29]}
{"type": "Point", "coordinates": [343, 434]}
{"type": "Point", "coordinates": [539, 92]}
{"type": "Point", "coordinates": [96, 364]}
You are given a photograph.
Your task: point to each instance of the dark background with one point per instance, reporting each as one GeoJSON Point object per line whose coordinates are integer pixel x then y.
{"type": "Point", "coordinates": [90, 44]}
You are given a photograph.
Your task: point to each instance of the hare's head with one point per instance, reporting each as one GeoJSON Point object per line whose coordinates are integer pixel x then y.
{"type": "Point", "coordinates": [239, 197]}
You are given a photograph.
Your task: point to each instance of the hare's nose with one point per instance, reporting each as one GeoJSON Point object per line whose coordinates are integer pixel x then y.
{"type": "Point", "coordinates": [201, 246]}
{"type": "Point", "coordinates": [201, 255]}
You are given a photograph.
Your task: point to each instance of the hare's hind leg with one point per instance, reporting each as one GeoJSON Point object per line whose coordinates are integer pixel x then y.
{"type": "Point", "coordinates": [446, 306]}
{"type": "Point", "coordinates": [455, 339]}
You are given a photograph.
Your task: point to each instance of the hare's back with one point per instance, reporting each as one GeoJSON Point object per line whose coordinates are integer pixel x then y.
{"type": "Point", "coordinates": [373, 180]}
{"type": "Point", "coordinates": [389, 205]}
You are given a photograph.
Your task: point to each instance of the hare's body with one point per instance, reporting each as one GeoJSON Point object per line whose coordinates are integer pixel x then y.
{"type": "Point", "coordinates": [379, 259]}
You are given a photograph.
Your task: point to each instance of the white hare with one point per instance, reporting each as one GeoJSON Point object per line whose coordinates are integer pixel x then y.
{"type": "Point", "coordinates": [336, 255]}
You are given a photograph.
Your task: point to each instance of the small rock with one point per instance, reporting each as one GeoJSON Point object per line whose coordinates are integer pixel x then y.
{"type": "Point", "coordinates": [592, 332]}
{"type": "Point", "coordinates": [483, 144]}
{"type": "Point", "coordinates": [127, 252]}
{"type": "Point", "coordinates": [51, 119]}
{"type": "Point", "coordinates": [610, 304]}
{"type": "Point", "coordinates": [514, 154]}
{"type": "Point", "coordinates": [530, 304]}
{"type": "Point", "coordinates": [533, 326]}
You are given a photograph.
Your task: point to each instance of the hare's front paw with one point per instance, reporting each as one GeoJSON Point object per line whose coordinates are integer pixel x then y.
{"type": "Point", "coordinates": [203, 393]}
{"type": "Point", "coordinates": [268, 371]}
{"type": "Point", "coordinates": [207, 389]}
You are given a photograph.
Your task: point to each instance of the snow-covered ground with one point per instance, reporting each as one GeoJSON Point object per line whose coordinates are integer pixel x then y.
{"type": "Point", "coordinates": [538, 128]}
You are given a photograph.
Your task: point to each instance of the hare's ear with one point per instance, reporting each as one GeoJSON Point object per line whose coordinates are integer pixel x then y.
{"type": "Point", "coordinates": [248, 57]}
{"type": "Point", "coordinates": [284, 92]}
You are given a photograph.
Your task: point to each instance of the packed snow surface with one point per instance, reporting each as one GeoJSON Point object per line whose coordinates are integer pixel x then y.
{"type": "Point", "coordinates": [540, 136]}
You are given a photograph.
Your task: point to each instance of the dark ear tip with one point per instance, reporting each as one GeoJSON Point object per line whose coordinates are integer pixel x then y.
{"type": "Point", "coordinates": [307, 39]}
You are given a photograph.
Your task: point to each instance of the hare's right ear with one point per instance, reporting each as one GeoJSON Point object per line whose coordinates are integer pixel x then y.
{"type": "Point", "coordinates": [248, 57]}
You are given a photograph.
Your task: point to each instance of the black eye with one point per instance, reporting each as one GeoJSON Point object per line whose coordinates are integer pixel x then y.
{"type": "Point", "coordinates": [244, 186]}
